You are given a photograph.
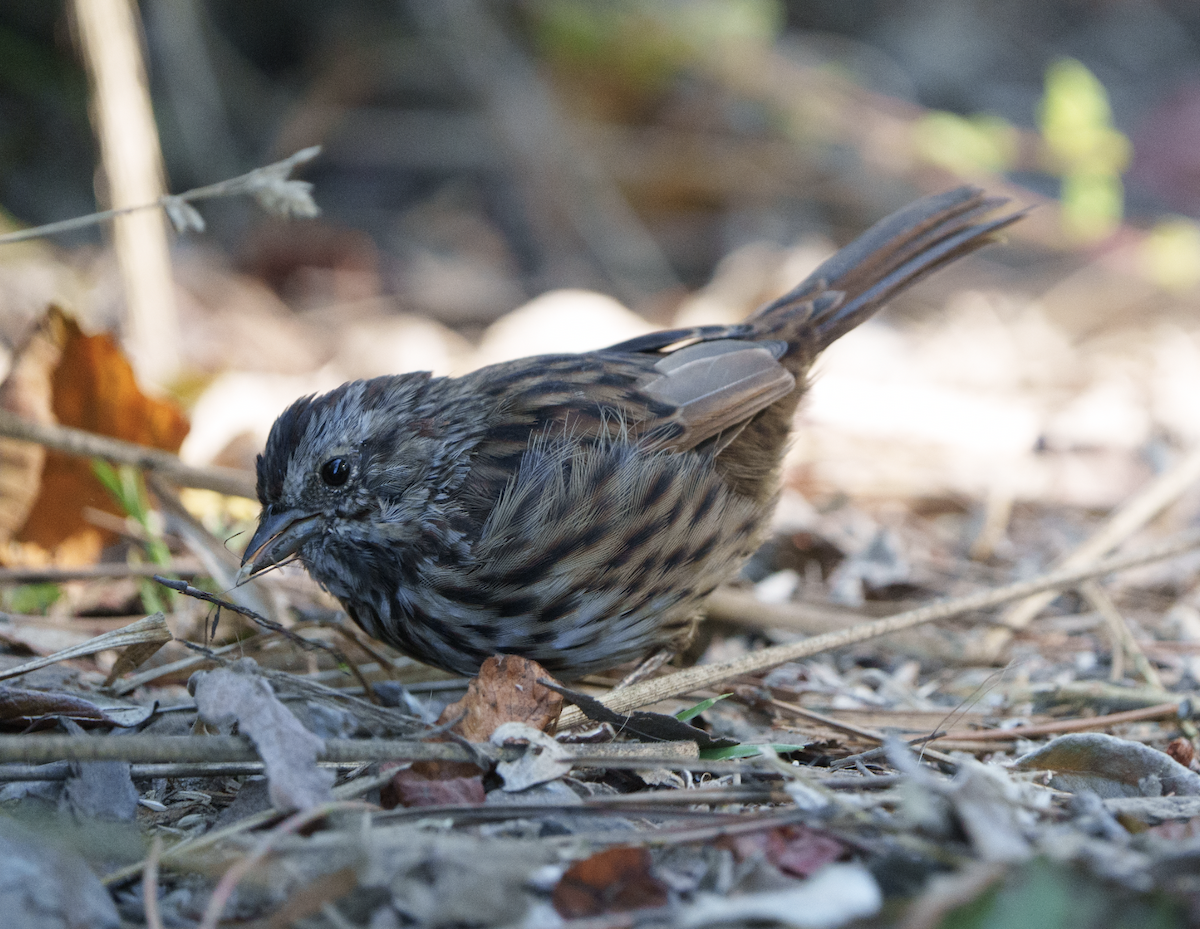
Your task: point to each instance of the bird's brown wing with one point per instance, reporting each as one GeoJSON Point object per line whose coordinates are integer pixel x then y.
{"type": "Point", "coordinates": [673, 401]}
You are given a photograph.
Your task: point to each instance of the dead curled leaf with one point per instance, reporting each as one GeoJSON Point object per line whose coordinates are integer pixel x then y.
{"type": "Point", "coordinates": [64, 376]}
{"type": "Point", "coordinates": [612, 881]}
{"type": "Point", "coordinates": [543, 760]}
{"type": "Point", "coordinates": [1110, 767]}
{"type": "Point", "coordinates": [288, 750]}
{"type": "Point", "coordinates": [505, 690]}
{"type": "Point", "coordinates": [796, 850]}
{"type": "Point", "coordinates": [21, 708]}
{"type": "Point", "coordinates": [410, 789]}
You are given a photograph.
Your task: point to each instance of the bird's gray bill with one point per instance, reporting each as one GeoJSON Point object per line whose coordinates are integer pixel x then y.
{"type": "Point", "coordinates": [278, 536]}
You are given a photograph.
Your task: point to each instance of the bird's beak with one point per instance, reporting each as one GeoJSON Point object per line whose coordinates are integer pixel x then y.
{"type": "Point", "coordinates": [278, 535]}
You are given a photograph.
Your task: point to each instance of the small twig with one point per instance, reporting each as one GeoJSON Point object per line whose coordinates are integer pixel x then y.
{"type": "Point", "coordinates": [860, 731]}
{"type": "Point", "coordinates": [196, 593]}
{"type": "Point", "coordinates": [1123, 641]}
{"type": "Point", "coordinates": [60, 771]}
{"type": "Point", "coordinates": [155, 749]}
{"type": "Point", "coordinates": [1127, 519]}
{"type": "Point", "coordinates": [150, 886]}
{"type": "Point", "coordinates": [706, 676]}
{"type": "Point", "coordinates": [70, 441]}
{"type": "Point", "coordinates": [231, 878]}
{"type": "Point", "coordinates": [53, 574]}
{"type": "Point", "coordinates": [1161, 711]}
{"type": "Point", "coordinates": [269, 185]}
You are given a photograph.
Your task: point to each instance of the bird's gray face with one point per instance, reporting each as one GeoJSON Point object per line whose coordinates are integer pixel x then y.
{"type": "Point", "coordinates": [340, 472]}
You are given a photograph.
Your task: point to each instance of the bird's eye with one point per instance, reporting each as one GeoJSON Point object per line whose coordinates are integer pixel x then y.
{"type": "Point", "coordinates": [335, 472]}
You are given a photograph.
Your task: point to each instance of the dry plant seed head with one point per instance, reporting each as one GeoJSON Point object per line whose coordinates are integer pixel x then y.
{"type": "Point", "coordinates": [573, 509]}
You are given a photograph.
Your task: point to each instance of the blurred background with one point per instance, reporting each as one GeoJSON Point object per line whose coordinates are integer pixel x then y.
{"type": "Point", "coordinates": [502, 178]}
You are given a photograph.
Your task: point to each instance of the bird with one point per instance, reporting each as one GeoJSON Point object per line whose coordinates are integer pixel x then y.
{"type": "Point", "coordinates": [574, 509]}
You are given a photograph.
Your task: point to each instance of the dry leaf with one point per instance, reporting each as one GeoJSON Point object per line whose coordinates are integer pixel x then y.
{"type": "Point", "coordinates": [20, 708]}
{"type": "Point", "coordinates": [27, 392]}
{"type": "Point", "coordinates": [147, 635]}
{"type": "Point", "coordinates": [796, 850]}
{"type": "Point", "coordinates": [412, 788]}
{"type": "Point", "coordinates": [1110, 767]}
{"type": "Point", "coordinates": [288, 750]}
{"type": "Point", "coordinates": [543, 759]}
{"type": "Point", "coordinates": [505, 690]}
{"type": "Point", "coordinates": [612, 881]}
{"type": "Point", "coordinates": [93, 388]}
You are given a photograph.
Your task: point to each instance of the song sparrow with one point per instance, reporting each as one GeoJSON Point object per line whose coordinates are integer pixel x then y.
{"type": "Point", "coordinates": [574, 509]}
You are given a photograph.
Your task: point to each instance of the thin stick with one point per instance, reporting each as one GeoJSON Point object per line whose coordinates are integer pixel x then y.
{"type": "Point", "coordinates": [151, 749]}
{"type": "Point", "coordinates": [262, 183]}
{"type": "Point", "coordinates": [54, 574]}
{"type": "Point", "coordinates": [132, 158]}
{"type": "Point", "coordinates": [1161, 711]}
{"type": "Point", "coordinates": [705, 676]}
{"type": "Point", "coordinates": [870, 734]}
{"type": "Point", "coordinates": [232, 481]}
{"type": "Point", "coordinates": [1131, 516]}
{"type": "Point", "coordinates": [1123, 641]}
{"type": "Point", "coordinates": [231, 878]}
{"type": "Point", "coordinates": [150, 886]}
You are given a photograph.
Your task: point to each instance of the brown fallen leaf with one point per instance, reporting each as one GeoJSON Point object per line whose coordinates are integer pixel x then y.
{"type": "Point", "coordinates": [411, 788]}
{"type": "Point", "coordinates": [27, 392]}
{"type": "Point", "coordinates": [21, 708]}
{"type": "Point", "coordinates": [237, 693]}
{"type": "Point", "coordinates": [612, 881]}
{"type": "Point", "coordinates": [796, 850]}
{"type": "Point", "coordinates": [505, 690]}
{"type": "Point", "coordinates": [92, 387]}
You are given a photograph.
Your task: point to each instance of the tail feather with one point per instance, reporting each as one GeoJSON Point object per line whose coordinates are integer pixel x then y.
{"type": "Point", "coordinates": [890, 256]}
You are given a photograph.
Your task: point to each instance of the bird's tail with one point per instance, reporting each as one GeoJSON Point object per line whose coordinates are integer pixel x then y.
{"type": "Point", "coordinates": [851, 286]}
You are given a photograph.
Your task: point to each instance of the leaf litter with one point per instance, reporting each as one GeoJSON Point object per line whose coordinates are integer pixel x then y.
{"type": "Point", "coordinates": [927, 779]}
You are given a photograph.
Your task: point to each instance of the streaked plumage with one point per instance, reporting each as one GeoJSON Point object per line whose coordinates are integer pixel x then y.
{"type": "Point", "coordinates": [575, 509]}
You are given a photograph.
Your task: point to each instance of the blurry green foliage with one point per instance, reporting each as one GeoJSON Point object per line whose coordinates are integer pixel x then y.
{"type": "Point", "coordinates": [31, 599]}
{"type": "Point", "coordinates": [1042, 894]}
{"type": "Point", "coordinates": [649, 41]}
{"type": "Point", "coordinates": [966, 144]}
{"type": "Point", "coordinates": [1170, 254]}
{"type": "Point", "coordinates": [747, 751]}
{"type": "Point", "coordinates": [1084, 148]}
{"type": "Point", "coordinates": [125, 485]}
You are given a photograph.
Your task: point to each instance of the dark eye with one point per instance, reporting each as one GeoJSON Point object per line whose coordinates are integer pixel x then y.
{"type": "Point", "coordinates": [335, 472]}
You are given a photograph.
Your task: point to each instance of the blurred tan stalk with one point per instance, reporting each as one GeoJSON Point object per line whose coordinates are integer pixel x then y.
{"type": "Point", "coordinates": [112, 50]}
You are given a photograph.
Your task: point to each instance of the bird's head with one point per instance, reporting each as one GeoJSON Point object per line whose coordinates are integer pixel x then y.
{"type": "Point", "coordinates": [344, 471]}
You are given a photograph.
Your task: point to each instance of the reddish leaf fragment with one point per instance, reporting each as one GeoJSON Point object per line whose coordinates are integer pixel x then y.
{"type": "Point", "coordinates": [506, 690]}
{"type": "Point", "coordinates": [412, 788]}
{"type": "Point", "coordinates": [796, 850]}
{"type": "Point", "coordinates": [1182, 751]}
{"type": "Point", "coordinates": [802, 851]}
{"type": "Point", "coordinates": [20, 709]}
{"type": "Point", "coordinates": [612, 881]}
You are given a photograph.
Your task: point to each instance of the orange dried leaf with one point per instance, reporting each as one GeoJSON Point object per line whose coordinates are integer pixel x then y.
{"type": "Point", "coordinates": [27, 392]}
{"type": "Point", "coordinates": [505, 690]}
{"type": "Point", "coordinates": [612, 881]}
{"type": "Point", "coordinates": [93, 388]}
